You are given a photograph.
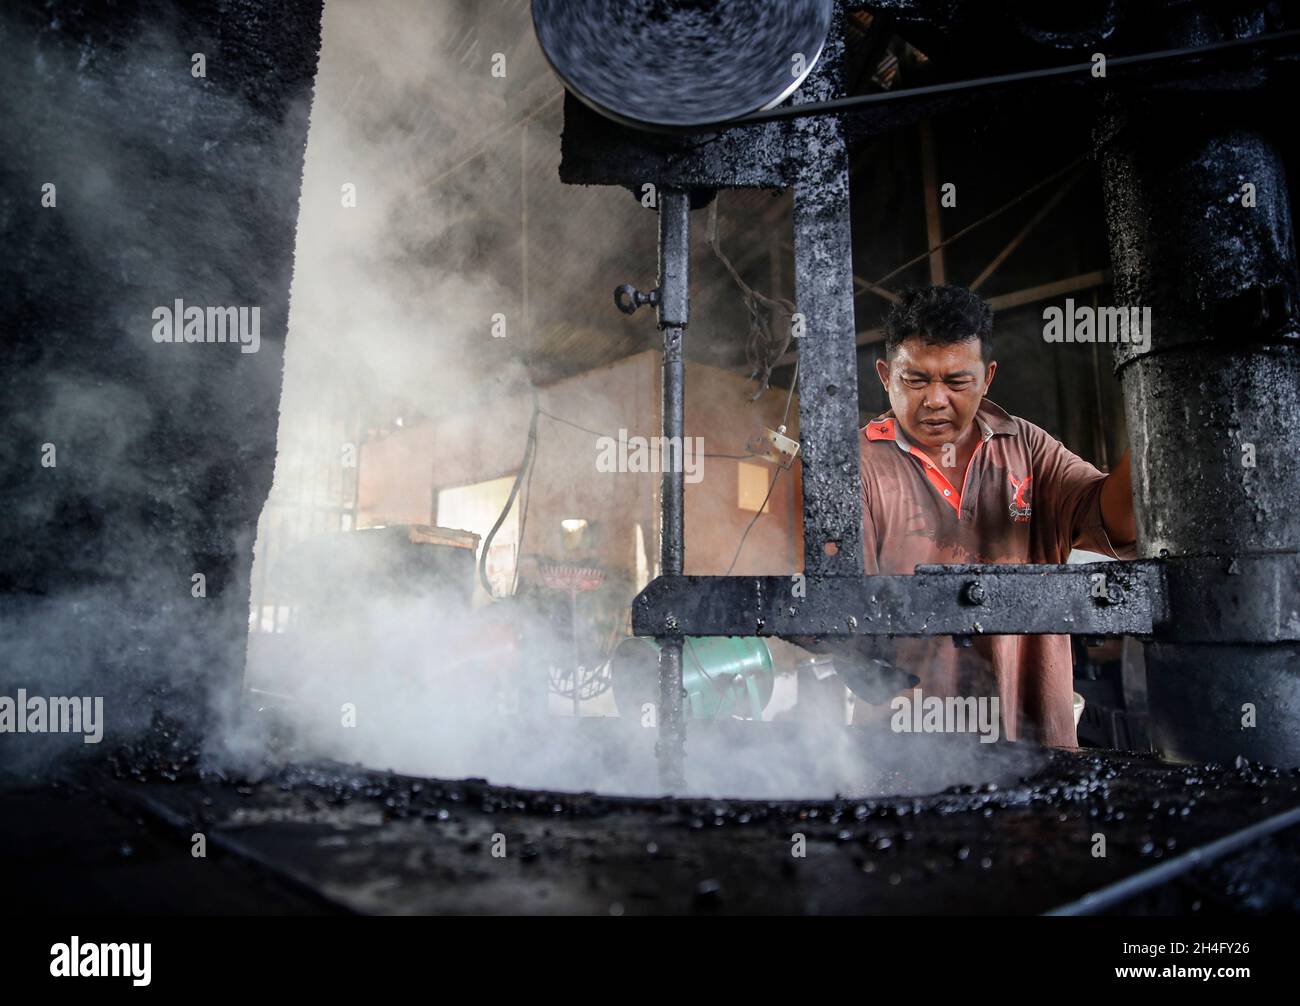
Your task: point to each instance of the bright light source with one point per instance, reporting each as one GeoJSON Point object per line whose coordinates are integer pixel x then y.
{"type": "Point", "coordinates": [573, 534]}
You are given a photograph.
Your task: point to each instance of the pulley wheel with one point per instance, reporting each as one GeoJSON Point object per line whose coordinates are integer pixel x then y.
{"type": "Point", "coordinates": [678, 64]}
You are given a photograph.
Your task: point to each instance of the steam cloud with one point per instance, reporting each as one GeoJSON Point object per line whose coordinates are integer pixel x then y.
{"type": "Point", "coordinates": [390, 304]}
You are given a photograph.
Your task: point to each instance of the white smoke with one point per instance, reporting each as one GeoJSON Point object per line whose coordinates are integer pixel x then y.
{"type": "Point", "coordinates": [390, 309]}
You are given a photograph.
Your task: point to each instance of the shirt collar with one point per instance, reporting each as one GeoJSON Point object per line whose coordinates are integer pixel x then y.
{"type": "Point", "coordinates": [992, 418]}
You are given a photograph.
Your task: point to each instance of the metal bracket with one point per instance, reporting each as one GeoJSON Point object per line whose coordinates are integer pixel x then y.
{"type": "Point", "coordinates": [1097, 599]}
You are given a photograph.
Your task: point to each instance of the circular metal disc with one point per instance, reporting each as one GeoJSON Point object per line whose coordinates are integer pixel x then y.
{"type": "Point", "coordinates": [673, 64]}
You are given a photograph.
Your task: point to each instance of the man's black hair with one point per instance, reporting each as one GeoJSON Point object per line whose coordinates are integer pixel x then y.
{"type": "Point", "coordinates": [940, 315]}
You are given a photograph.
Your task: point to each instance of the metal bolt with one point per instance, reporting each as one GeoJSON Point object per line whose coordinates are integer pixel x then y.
{"type": "Point", "coordinates": [974, 592]}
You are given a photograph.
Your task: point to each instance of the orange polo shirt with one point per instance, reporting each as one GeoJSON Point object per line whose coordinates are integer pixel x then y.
{"type": "Point", "coordinates": [1025, 499]}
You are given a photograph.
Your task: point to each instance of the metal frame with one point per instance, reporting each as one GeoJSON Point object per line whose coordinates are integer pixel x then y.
{"type": "Point", "coordinates": [832, 597]}
{"type": "Point", "coordinates": [1234, 596]}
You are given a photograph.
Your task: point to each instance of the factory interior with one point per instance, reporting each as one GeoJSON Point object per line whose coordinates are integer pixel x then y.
{"type": "Point", "coordinates": [515, 564]}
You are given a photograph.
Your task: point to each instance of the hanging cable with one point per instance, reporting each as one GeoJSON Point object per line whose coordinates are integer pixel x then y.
{"type": "Point", "coordinates": [525, 467]}
{"type": "Point", "coordinates": [761, 348]}
{"type": "Point", "coordinates": [779, 470]}
{"type": "Point", "coordinates": [597, 433]}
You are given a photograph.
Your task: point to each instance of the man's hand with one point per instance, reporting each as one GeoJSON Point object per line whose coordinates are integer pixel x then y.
{"type": "Point", "coordinates": [1117, 504]}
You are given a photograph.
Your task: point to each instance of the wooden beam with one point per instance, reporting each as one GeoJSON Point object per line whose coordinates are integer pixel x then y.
{"type": "Point", "coordinates": [1084, 281]}
{"type": "Point", "coordinates": [1024, 232]}
{"type": "Point", "coordinates": [889, 295]}
{"type": "Point", "coordinates": [1029, 295]}
{"type": "Point", "coordinates": [933, 226]}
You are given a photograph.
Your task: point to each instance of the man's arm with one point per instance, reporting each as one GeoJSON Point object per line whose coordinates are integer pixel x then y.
{"type": "Point", "coordinates": [1117, 503]}
{"type": "Point", "coordinates": [1083, 507]}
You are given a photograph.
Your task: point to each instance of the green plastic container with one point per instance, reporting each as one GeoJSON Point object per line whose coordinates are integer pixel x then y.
{"type": "Point", "coordinates": [724, 676]}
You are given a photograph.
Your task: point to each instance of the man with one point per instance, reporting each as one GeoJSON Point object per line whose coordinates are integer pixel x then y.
{"type": "Point", "coordinates": [949, 477]}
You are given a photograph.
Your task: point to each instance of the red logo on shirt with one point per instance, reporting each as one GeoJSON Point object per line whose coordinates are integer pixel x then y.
{"type": "Point", "coordinates": [1020, 508]}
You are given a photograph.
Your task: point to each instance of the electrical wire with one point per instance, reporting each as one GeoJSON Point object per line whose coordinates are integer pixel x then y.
{"type": "Point", "coordinates": [566, 422]}
{"type": "Point", "coordinates": [779, 470]}
{"type": "Point", "coordinates": [761, 349]}
{"type": "Point", "coordinates": [984, 219]}
{"type": "Point", "coordinates": [525, 466]}
{"type": "Point", "coordinates": [523, 519]}
{"type": "Point", "coordinates": [794, 380]}
{"type": "Point", "coordinates": [524, 477]}
{"type": "Point", "coordinates": [607, 436]}
{"type": "Point", "coordinates": [786, 415]}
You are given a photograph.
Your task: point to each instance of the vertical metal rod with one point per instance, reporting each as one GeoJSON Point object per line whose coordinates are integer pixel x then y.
{"type": "Point", "coordinates": [673, 534]}
{"type": "Point", "coordinates": [674, 301]}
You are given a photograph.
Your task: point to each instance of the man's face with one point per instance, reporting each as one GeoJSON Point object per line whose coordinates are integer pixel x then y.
{"type": "Point", "coordinates": [935, 391]}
